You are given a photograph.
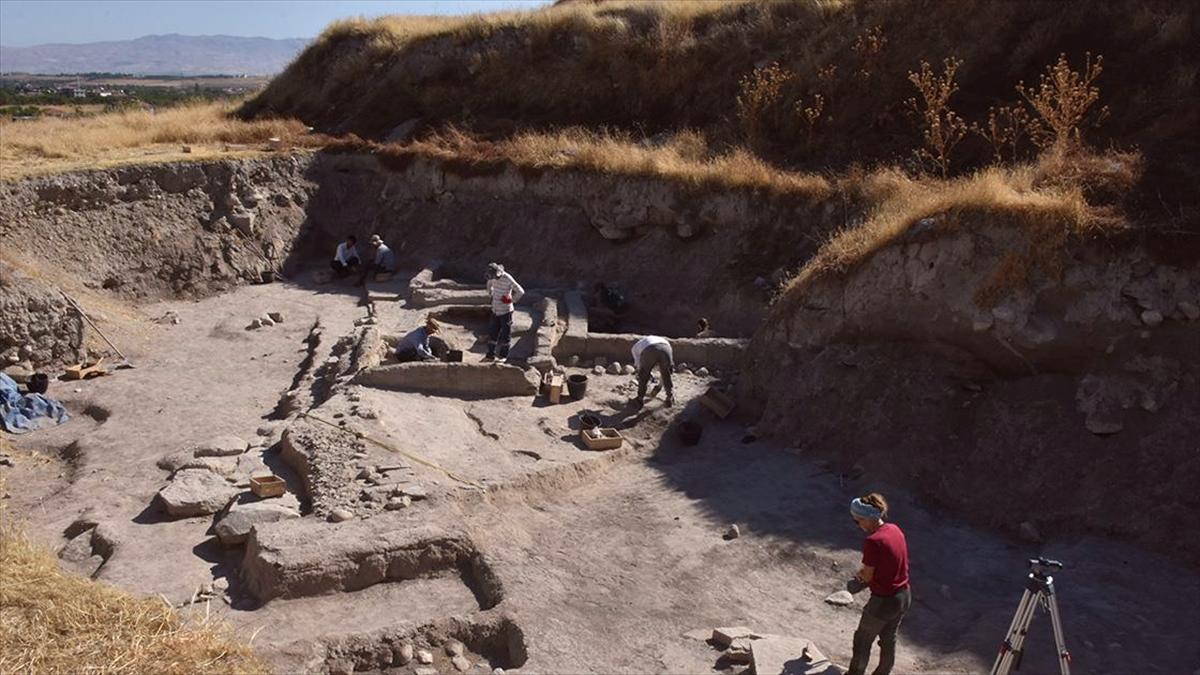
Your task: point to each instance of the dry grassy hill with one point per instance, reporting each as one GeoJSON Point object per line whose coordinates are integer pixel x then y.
{"type": "Point", "coordinates": [807, 85]}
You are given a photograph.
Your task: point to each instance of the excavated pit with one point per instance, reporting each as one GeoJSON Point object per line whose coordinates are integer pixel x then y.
{"type": "Point", "coordinates": [1082, 388]}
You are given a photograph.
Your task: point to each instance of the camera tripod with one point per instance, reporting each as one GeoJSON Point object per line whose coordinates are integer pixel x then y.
{"type": "Point", "coordinates": [1039, 590]}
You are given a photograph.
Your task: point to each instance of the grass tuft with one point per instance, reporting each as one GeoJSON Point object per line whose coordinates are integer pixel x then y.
{"type": "Point", "coordinates": [55, 622]}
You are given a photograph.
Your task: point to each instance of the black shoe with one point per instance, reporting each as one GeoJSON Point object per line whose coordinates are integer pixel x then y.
{"type": "Point", "coordinates": [489, 358]}
{"type": "Point", "coordinates": [670, 400]}
{"type": "Point", "coordinates": [636, 403]}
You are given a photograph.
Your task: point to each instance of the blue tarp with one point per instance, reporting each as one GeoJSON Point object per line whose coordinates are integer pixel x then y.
{"type": "Point", "coordinates": [20, 414]}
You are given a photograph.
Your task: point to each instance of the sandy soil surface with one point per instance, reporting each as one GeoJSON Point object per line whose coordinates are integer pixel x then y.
{"type": "Point", "coordinates": [610, 563]}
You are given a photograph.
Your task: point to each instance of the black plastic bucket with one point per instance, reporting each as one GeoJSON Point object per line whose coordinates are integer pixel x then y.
{"type": "Point", "coordinates": [689, 432]}
{"type": "Point", "coordinates": [38, 383]}
{"type": "Point", "coordinates": [589, 420]}
{"type": "Point", "coordinates": [577, 386]}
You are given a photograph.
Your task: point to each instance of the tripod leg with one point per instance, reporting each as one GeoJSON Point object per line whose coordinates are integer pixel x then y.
{"type": "Point", "coordinates": [1064, 656]}
{"type": "Point", "coordinates": [1010, 650]}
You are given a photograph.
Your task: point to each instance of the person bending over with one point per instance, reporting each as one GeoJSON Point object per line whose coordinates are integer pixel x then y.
{"type": "Point", "coordinates": [505, 292]}
{"type": "Point", "coordinates": [649, 352]}
{"type": "Point", "coordinates": [385, 260]}
{"type": "Point", "coordinates": [885, 571]}
{"type": "Point", "coordinates": [415, 346]}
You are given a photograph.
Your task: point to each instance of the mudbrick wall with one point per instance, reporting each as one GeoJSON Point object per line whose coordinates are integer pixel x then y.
{"type": "Point", "coordinates": [1072, 403]}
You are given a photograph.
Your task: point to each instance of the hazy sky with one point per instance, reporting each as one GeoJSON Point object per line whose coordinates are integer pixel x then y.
{"type": "Point", "coordinates": [24, 22]}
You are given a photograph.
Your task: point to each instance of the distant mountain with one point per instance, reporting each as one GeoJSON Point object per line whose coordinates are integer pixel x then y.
{"type": "Point", "coordinates": [157, 55]}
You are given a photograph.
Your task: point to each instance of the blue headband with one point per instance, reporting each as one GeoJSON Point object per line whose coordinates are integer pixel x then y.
{"type": "Point", "coordinates": [861, 509]}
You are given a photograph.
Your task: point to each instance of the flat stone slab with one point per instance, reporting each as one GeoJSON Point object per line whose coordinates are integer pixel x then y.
{"type": "Point", "coordinates": [222, 446]}
{"type": "Point", "coordinates": [725, 635]}
{"type": "Point", "coordinates": [234, 527]}
{"type": "Point", "coordinates": [196, 492]}
{"type": "Point", "coordinates": [428, 297]}
{"type": "Point", "coordinates": [840, 598]}
{"type": "Point", "coordinates": [783, 655]}
{"type": "Point", "coordinates": [452, 379]}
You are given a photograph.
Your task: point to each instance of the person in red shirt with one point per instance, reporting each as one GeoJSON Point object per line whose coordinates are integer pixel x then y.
{"type": "Point", "coordinates": [885, 572]}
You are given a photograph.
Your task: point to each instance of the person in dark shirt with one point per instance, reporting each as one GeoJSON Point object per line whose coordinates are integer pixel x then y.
{"type": "Point", "coordinates": [885, 571]}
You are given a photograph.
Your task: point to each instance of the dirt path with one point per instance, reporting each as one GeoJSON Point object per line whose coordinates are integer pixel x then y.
{"type": "Point", "coordinates": [604, 570]}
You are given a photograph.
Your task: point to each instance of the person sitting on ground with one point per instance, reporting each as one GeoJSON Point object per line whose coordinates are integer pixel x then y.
{"type": "Point", "coordinates": [649, 352]}
{"type": "Point", "coordinates": [704, 329]}
{"type": "Point", "coordinates": [345, 259]}
{"type": "Point", "coordinates": [415, 346]}
{"type": "Point", "coordinates": [885, 571]}
{"type": "Point", "coordinates": [505, 292]}
{"type": "Point", "coordinates": [385, 260]}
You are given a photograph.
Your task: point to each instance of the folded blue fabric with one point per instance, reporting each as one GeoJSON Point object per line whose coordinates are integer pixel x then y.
{"type": "Point", "coordinates": [20, 414]}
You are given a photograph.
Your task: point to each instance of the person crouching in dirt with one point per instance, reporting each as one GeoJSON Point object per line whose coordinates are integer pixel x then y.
{"type": "Point", "coordinates": [505, 292]}
{"type": "Point", "coordinates": [385, 260]}
{"type": "Point", "coordinates": [345, 259]}
{"type": "Point", "coordinates": [649, 352]}
{"type": "Point", "coordinates": [885, 572]}
{"type": "Point", "coordinates": [415, 346]}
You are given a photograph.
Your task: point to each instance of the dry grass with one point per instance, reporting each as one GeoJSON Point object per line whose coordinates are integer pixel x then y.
{"type": "Point", "coordinates": [56, 144]}
{"type": "Point", "coordinates": [1019, 197]}
{"type": "Point", "coordinates": [53, 622]}
{"type": "Point", "coordinates": [683, 157]}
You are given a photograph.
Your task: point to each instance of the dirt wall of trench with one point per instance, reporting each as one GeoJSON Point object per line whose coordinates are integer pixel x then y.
{"type": "Point", "coordinates": [192, 229]}
{"type": "Point", "coordinates": [1072, 403]}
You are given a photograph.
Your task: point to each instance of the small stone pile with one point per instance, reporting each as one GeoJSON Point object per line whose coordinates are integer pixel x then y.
{"type": "Point", "coordinates": [267, 321]}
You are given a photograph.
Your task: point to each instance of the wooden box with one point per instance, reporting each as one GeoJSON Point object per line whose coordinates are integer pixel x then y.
{"type": "Point", "coordinates": [602, 438]}
{"type": "Point", "coordinates": [267, 486]}
{"type": "Point", "coordinates": [720, 403]}
{"type": "Point", "coordinates": [552, 386]}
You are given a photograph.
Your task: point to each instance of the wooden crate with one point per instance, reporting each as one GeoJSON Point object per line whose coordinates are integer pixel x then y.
{"type": "Point", "coordinates": [720, 403]}
{"type": "Point", "coordinates": [552, 386]}
{"type": "Point", "coordinates": [602, 438]}
{"type": "Point", "coordinates": [267, 486]}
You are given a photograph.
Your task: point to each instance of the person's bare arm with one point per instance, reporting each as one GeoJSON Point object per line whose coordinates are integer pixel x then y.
{"type": "Point", "coordinates": [865, 574]}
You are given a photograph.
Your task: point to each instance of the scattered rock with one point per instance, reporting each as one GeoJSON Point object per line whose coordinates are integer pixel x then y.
{"type": "Point", "coordinates": [733, 532]}
{"type": "Point", "coordinates": [243, 221]}
{"type": "Point", "coordinates": [840, 598]}
{"type": "Point", "coordinates": [363, 473]}
{"type": "Point", "coordinates": [1028, 532]}
{"type": "Point", "coordinates": [1152, 317]}
{"type": "Point", "coordinates": [332, 361]}
{"type": "Point", "coordinates": [402, 655]}
{"type": "Point", "coordinates": [724, 636]}
{"type": "Point", "coordinates": [461, 664]}
{"type": "Point", "coordinates": [235, 526]}
{"type": "Point", "coordinates": [573, 360]}
{"type": "Point", "coordinates": [628, 369]}
{"type": "Point", "coordinates": [265, 431]}
{"type": "Point", "coordinates": [425, 671]}
{"type": "Point", "coordinates": [255, 324]}
{"type": "Point", "coordinates": [340, 515]}
{"type": "Point", "coordinates": [702, 371]}
{"type": "Point", "coordinates": [277, 317]}
{"type": "Point", "coordinates": [454, 648]}
{"type": "Point", "coordinates": [598, 370]}
{"type": "Point", "coordinates": [397, 503]}
{"type": "Point", "coordinates": [614, 368]}
{"type": "Point", "coordinates": [424, 656]}
{"type": "Point", "coordinates": [222, 446]}
{"type": "Point", "coordinates": [266, 322]}
{"type": "Point", "coordinates": [196, 492]}
{"type": "Point", "coordinates": [220, 584]}
{"type": "Point", "coordinates": [414, 492]}
{"type": "Point", "coordinates": [680, 367]}
{"type": "Point", "coordinates": [1103, 426]}
{"type": "Point", "coordinates": [1189, 309]}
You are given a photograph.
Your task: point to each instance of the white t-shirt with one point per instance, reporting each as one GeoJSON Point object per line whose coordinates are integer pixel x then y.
{"type": "Point", "coordinates": [345, 253]}
{"type": "Point", "coordinates": [640, 346]}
